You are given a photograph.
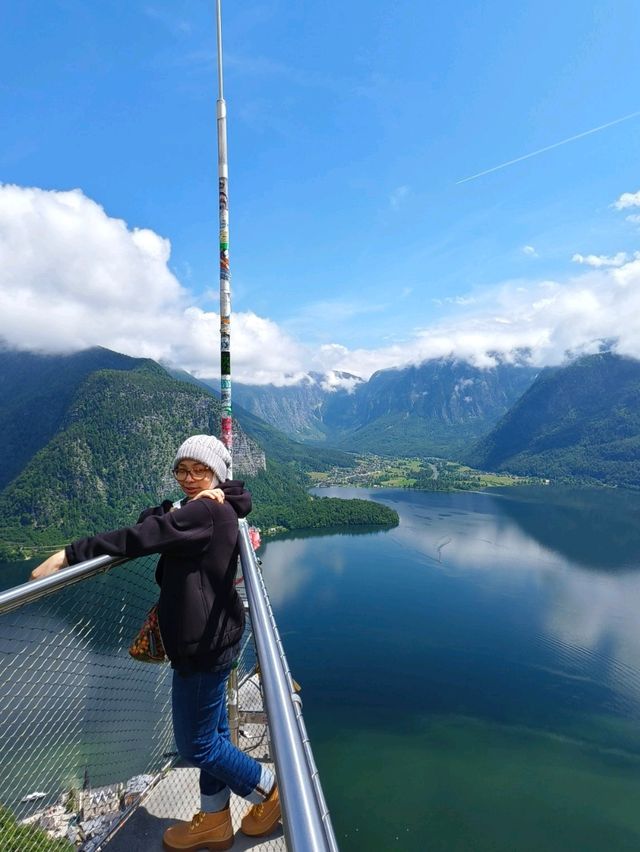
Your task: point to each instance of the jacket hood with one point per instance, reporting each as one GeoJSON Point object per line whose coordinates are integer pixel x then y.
{"type": "Point", "coordinates": [237, 496]}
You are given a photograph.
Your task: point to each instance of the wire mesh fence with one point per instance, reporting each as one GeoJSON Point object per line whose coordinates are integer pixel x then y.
{"type": "Point", "coordinates": [85, 730]}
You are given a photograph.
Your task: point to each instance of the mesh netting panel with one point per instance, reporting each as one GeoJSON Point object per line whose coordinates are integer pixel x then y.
{"type": "Point", "coordinates": [85, 729]}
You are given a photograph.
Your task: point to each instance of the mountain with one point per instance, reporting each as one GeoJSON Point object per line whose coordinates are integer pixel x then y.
{"type": "Point", "coordinates": [437, 408]}
{"type": "Point", "coordinates": [36, 390]}
{"type": "Point", "coordinates": [112, 452]}
{"type": "Point", "coordinates": [580, 420]}
{"type": "Point", "coordinates": [440, 407]}
{"type": "Point", "coordinates": [297, 410]}
{"type": "Point", "coordinates": [105, 451]}
{"type": "Point", "coordinates": [277, 444]}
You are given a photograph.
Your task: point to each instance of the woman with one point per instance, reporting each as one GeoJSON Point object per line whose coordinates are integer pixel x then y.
{"type": "Point", "coordinates": [201, 620]}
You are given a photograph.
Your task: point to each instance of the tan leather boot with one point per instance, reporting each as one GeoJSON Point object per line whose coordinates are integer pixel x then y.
{"type": "Point", "coordinates": [263, 818]}
{"type": "Point", "coordinates": [211, 831]}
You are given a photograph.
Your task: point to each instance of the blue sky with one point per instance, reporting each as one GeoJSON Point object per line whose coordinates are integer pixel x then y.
{"type": "Point", "coordinates": [351, 127]}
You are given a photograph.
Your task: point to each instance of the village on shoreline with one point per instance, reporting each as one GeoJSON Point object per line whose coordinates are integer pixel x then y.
{"type": "Point", "coordinates": [84, 817]}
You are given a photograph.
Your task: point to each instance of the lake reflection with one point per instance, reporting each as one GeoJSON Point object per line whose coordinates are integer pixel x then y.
{"type": "Point", "coordinates": [490, 642]}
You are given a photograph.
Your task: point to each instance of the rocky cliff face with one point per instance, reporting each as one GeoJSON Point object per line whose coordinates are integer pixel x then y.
{"type": "Point", "coordinates": [248, 458]}
{"type": "Point", "coordinates": [297, 410]}
{"type": "Point", "coordinates": [445, 390]}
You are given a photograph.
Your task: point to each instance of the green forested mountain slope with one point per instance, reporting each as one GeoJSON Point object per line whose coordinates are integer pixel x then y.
{"type": "Point", "coordinates": [581, 420]}
{"type": "Point", "coordinates": [407, 434]}
{"type": "Point", "coordinates": [281, 500]}
{"type": "Point", "coordinates": [112, 452]}
{"type": "Point", "coordinates": [35, 392]}
{"type": "Point", "coordinates": [280, 448]}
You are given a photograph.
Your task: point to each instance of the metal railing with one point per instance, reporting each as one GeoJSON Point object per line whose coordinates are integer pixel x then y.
{"type": "Point", "coordinates": [36, 589]}
{"type": "Point", "coordinates": [85, 729]}
{"type": "Point", "coordinates": [306, 818]}
{"type": "Point", "coordinates": [79, 714]}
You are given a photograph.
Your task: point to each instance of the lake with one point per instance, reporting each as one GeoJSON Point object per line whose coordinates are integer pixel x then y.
{"type": "Point", "coordinates": [471, 678]}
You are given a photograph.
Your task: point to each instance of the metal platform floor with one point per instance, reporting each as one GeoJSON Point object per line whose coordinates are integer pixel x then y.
{"type": "Point", "coordinates": [176, 797]}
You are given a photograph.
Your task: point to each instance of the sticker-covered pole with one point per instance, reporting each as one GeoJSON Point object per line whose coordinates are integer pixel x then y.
{"type": "Point", "coordinates": [226, 433]}
{"type": "Point", "coordinates": [226, 428]}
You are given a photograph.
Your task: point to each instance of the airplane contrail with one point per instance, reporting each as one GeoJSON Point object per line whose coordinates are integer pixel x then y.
{"type": "Point", "coordinates": [550, 147]}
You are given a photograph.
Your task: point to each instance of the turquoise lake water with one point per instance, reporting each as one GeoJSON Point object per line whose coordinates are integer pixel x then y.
{"type": "Point", "coordinates": [471, 678]}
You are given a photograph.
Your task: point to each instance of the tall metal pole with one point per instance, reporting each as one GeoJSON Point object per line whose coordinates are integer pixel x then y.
{"type": "Point", "coordinates": [226, 427]}
{"type": "Point", "coordinates": [226, 433]}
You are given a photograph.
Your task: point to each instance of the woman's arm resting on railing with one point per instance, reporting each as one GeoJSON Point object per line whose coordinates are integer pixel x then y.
{"type": "Point", "coordinates": [54, 563]}
{"type": "Point", "coordinates": [59, 560]}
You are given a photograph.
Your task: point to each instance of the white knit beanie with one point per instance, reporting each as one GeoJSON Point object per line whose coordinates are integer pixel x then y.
{"type": "Point", "coordinates": [209, 451]}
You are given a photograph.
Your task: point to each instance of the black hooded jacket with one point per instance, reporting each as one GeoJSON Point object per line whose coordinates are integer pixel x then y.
{"type": "Point", "coordinates": [200, 613]}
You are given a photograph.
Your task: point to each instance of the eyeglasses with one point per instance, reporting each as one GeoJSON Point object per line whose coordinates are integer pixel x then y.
{"type": "Point", "coordinates": [198, 472]}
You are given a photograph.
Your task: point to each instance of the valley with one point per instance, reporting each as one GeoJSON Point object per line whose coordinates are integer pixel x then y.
{"type": "Point", "coordinates": [424, 474]}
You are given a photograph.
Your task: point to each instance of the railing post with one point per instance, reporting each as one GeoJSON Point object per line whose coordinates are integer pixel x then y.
{"type": "Point", "coordinates": [232, 705]}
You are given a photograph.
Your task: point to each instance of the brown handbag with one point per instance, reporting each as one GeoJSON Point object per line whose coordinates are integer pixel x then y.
{"type": "Point", "coordinates": [147, 646]}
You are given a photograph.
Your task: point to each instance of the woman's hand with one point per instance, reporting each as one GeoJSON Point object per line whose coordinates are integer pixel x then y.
{"type": "Point", "coordinates": [216, 494]}
{"type": "Point", "coordinates": [50, 566]}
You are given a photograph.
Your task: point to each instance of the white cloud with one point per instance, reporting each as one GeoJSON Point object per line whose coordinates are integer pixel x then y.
{"type": "Point", "coordinates": [598, 260]}
{"type": "Point", "coordinates": [529, 251]}
{"type": "Point", "coordinates": [72, 277]}
{"type": "Point", "coordinates": [398, 195]}
{"type": "Point", "coordinates": [333, 381]}
{"type": "Point", "coordinates": [261, 352]}
{"type": "Point", "coordinates": [634, 218]}
{"type": "Point", "coordinates": [627, 199]}
{"type": "Point", "coordinates": [461, 300]}
{"type": "Point", "coordinates": [548, 319]}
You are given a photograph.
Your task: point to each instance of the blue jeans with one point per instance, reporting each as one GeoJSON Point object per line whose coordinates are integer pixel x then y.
{"type": "Point", "coordinates": [202, 736]}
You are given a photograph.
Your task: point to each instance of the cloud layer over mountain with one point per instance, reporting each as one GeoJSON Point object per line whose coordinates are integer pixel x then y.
{"type": "Point", "coordinates": [72, 277]}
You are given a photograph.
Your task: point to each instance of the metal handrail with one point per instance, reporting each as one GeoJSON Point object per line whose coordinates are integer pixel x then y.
{"type": "Point", "coordinates": [35, 589]}
{"type": "Point", "coordinates": [306, 820]}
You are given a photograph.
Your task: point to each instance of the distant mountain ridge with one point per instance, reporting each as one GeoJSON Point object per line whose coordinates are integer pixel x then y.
{"type": "Point", "coordinates": [278, 445]}
{"type": "Point", "coordinates": [440, 407]}
{"type": "Point", "coordinates": [580, 420]}
{"type": "Point", "coordinates": [88, 437]}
